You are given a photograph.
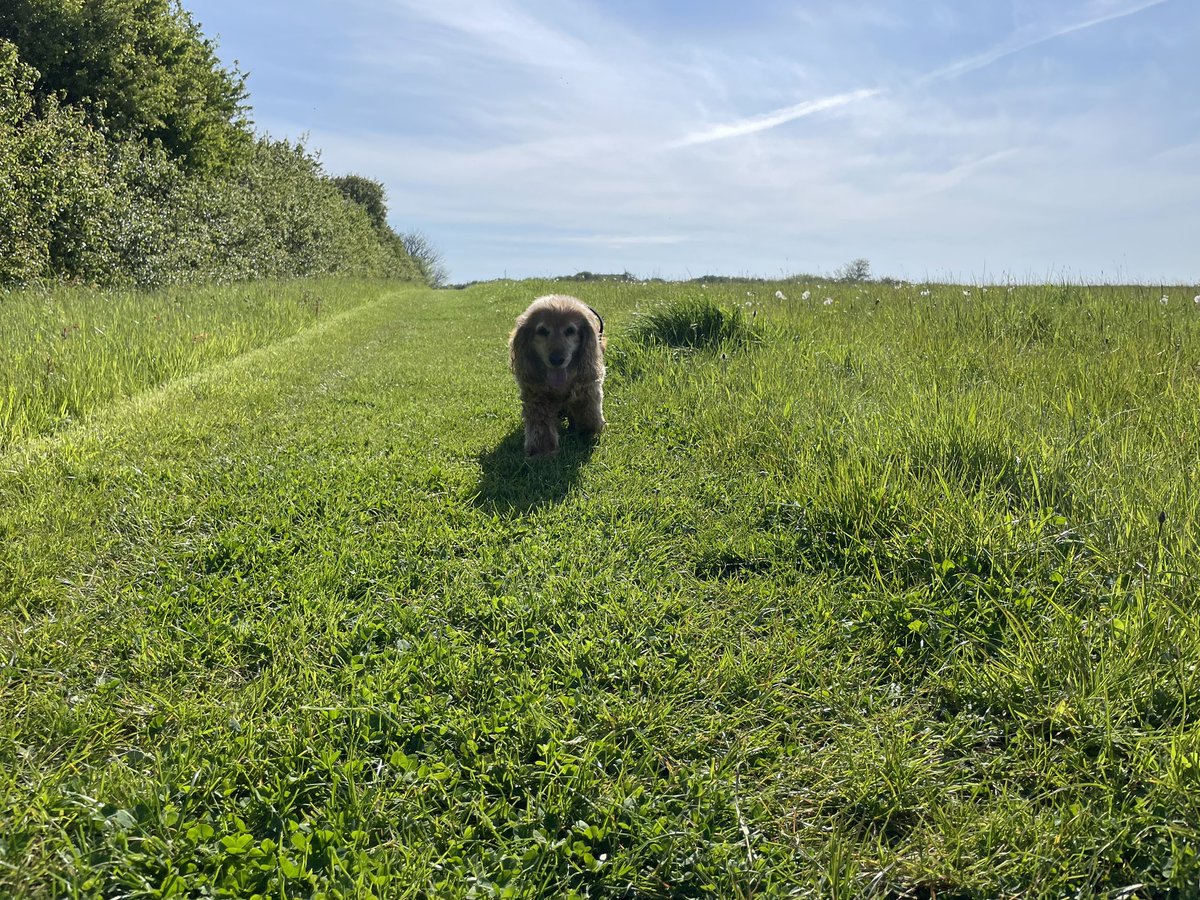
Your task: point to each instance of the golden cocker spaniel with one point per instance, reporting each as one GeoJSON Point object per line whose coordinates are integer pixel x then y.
{"type": "Point", "coordinates": [556, 351]}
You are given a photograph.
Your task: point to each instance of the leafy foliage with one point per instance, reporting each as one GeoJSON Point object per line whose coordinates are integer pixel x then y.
{"type": "Point", "coordinates": [141, 67]}
{"type": "Point", "coordinates": [274, 216]}
{"type": "Point", "coordinates": [126, 157]}
{"type": "Point", "coordinates": [78, 202]}
{"type": "Point", "coordinates": [54, 186]}
{"type": "Point", "coordinates": [367, 193]}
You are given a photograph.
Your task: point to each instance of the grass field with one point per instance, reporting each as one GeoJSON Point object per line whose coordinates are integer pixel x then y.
{"type": "Point", "coordinates": [892, 592]}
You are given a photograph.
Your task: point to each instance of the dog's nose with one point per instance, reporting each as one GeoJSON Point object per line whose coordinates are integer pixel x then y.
{"type": "Point", "coordinates": [556, 359]}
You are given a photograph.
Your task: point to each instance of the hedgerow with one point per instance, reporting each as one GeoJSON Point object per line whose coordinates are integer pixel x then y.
{"type": "Point", "coordinates": [93, 193]}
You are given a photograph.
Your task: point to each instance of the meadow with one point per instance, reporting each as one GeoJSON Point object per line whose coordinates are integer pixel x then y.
{"type": "Point", "coordinates": [868, 590]}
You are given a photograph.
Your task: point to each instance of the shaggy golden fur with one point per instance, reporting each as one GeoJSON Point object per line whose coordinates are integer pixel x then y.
{"type": "Point", "coordinates": [556, 351]}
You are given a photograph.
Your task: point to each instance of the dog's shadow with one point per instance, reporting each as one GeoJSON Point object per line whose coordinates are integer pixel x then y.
{"type": "Point", "coordinates": [510, 483]}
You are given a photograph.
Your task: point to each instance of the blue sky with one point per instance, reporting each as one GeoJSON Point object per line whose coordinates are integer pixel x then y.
{"type": "Point", "coordinates": [970, 140]}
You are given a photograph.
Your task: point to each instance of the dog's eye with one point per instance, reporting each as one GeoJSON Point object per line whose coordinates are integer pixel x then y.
{"type": "Point", "coordinates": [569, 331]}
{"type": "Point", "coordinates": [543, 331]}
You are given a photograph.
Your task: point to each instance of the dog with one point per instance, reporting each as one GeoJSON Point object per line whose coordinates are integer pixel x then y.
{"type": "Point", "coordinates": [556, 352]}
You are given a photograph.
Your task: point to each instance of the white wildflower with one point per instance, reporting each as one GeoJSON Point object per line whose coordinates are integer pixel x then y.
{"type": "Point", "coordinates": [829, 301]}
{"type": "Point", "coordinates": [806, 295]}
{"type": "Point", "coordinates": [1165, 300]}
{"type": "Point", "coordinates": [925, 293]}
{"type": "Point", "coordinates": [779, 295]}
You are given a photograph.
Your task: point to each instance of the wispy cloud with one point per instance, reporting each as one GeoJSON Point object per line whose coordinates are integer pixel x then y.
{"type": "Point", "coordinates": [774, 119]}
{"type": "Point", "coordinates": [623, 240]}
{"type": "Point", "coordinates": [1019, 42]}
{"type": "Point", "coordinates": [505, 29]}
{"type": "Point", "coordinates": [938, 182]}
{"type": "Point", "coordinates": [1015, 44]}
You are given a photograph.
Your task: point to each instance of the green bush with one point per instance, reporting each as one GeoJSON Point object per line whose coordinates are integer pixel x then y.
{"type": "Point", "coordinates": [126, 158]}
{"type": "Point", "coordinates": [79, 203]}
{"type": "Point", "coordinates": [276, 216]}
{"type": "Point", "coordinates": [54, 185]}
{"type": "Point", "coordinates": [140, 66]}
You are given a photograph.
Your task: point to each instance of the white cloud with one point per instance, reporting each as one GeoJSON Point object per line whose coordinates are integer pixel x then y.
{"type": "Point", "coordinates": [755, 124]}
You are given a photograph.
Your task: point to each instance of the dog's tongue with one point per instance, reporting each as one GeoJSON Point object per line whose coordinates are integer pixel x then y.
{"type": "Point", "coordinates": [556, 378]}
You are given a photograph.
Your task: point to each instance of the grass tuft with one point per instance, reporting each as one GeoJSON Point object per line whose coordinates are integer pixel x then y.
{"type": "Point", "coordinates": [693, 322]}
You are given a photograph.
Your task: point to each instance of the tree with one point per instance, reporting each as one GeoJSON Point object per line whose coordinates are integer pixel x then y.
{"type": "Point", "coordinates": [855, 270]}
{"type": "Point", "coordinates": [427, 257]}
{"type": "Point", "coordinates": [139, 67]}
{"type": "Point", "coordinates": [367, 193]}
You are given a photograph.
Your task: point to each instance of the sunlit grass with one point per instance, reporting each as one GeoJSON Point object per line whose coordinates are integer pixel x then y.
{"type": "Point", "coordinates": [898, 599]}
{"type": "Point", "coordinates": [65, 351]}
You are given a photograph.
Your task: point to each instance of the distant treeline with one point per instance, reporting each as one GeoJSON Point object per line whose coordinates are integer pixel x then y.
{"type": "Point", "coordinates": [126, 157]}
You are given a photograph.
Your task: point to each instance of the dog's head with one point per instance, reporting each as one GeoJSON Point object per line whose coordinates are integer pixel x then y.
{"type": "Point", "coordinates": [557, 339]}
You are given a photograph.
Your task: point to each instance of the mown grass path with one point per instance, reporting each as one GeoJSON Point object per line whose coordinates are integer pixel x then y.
{"type": "Point", "coordinates": [882, 603]}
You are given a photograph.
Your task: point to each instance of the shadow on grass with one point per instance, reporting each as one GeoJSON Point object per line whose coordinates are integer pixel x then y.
{"type": "Point", "coordinates": [510, 483]}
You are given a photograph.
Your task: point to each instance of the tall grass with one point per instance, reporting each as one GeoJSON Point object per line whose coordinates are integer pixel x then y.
{"type": "Point", "coordinates": [65, 351]}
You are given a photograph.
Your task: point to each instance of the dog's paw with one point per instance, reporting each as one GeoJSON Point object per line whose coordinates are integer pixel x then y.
{"type": "Point", "coordinates": [536, 453]}
{"type": "Point", "coordinates": [541, 441]}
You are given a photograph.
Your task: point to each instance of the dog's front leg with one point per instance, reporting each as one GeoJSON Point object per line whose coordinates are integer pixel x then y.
{"type": "Point", "coordinates": [541, 431]}
{"type": "Point", "coordinates": [587, 412]}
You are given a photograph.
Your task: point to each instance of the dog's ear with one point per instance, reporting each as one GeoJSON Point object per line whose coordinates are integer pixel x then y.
{"type": "Point", "coordinates": [590, 358]}
{"type": "Point", "coordinates": [521, 357]}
